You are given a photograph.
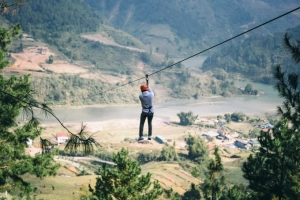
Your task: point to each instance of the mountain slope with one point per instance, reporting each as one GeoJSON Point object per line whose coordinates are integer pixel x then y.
{"type": "Point", "coordinates": [189, 25]}
{"type": "Point", "coordinates": [255, 57]}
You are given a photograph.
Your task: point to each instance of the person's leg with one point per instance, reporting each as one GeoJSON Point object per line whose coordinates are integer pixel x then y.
{"type": "Point", "coordinates": [142, 122]}
{"type": "Point", "coordinates": [150, 117]}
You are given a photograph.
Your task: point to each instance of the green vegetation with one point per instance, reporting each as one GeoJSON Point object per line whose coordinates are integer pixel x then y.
{"type": "Point", "coordinates": [168, 153]}
{"type": "Point", "coordinates": [14, 162]}
{"type": "Point", "coordinates": [51, 59]}
{"type": "Point", "coordinates": [54, 17]}
{"type": "Point", "coordinates": [214, 184]}
{"type": "Point", "coordinates": [186, 118]}
{"type": "Point", "coordinates": [197, 149]}
{"type": "Point", "coordinates": [74, 90]}
{"type": "Point", "coordinates": [253, 58]}
{"type": "Point", "coordinates": [124, 181]}
{"type": "Point", "coordinates": [273, 172]}
{"type": "Point", "coordinates": [236, 117]}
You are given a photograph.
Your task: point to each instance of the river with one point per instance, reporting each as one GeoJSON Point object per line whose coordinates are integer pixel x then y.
{"type": "Point", "coordinates": [250, 105]}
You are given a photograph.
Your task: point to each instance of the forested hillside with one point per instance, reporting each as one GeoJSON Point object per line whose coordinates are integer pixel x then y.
{"type": "Point", "coordinates": [255, 57]}
{"type": "Point", "coordinates": [185, 26]}
{"type": "Point", "coordinates": [52, 17]}
{"type": "Point", "coordinates": [61, 24]}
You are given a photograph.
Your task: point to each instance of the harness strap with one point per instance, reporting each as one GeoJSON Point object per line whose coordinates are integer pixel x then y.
{"type": "Point", "coordinates": [149, 109]}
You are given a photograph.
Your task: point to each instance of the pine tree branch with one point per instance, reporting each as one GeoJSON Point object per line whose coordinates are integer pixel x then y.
{"type": "Point", "coordinates": [76, 140]}
{"type": "Point", "coordinates": [293, 49]}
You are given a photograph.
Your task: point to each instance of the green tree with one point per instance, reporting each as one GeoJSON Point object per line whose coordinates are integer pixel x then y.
{"type": "Point", "coordinates": [16, 97]}
{"type": "Point", "coordinates": [187, 118]}
{"type": "Point", "coordinates": [214, 184]}
{"type": "Point", "coordinates": [168, 153]}
{"type": "Point", "coordinates": [14, 135]}
{"type": "Point", "coordinates": [274, 171]}
{"type": "Point", "coordinates": [236, 192]}
{"type": "Point", "coordinates": [249, 90]}
{"type": "Point", "coordinates": [197, 148]}
{"type": "Point", "coordinates": [237, 116]}
{"type": "Point", "coordinates": [170, 194]}
{"type": "Point", "coordinates": [192, 193]}
{"type": "Point", "coordinates": [51, 59]}
{"type": "Point", "coordinates": [125, 181]}
{"type": "Point", "coordinates": [227, 117]}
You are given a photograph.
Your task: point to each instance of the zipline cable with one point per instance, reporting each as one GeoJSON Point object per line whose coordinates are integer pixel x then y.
{"type": "Point", "coordinates": [208, 48]}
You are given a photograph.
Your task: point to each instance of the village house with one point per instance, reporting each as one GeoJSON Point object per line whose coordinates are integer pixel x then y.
{"type": "Point", "coordinates": [222, 132]}
{"type": "Point", "coordinates": [254, 143]}
{"type": "Point", "coordinates": [210, 135]}
{"type": "Point", "coordinates": [242, 144]}
{"type": "Point", "coordinates": [62, 138]}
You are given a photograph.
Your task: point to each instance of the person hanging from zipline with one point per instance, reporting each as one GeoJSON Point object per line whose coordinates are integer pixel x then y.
{"type": "Point", "coordinates": [146, 98]}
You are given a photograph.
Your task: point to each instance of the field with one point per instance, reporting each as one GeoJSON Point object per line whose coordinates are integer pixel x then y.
{"type": "Point", "coordinates": [170, 176]}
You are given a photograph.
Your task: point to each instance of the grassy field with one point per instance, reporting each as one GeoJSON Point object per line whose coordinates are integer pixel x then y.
{"type": "Point", "coordinates": [65, 186]}
{"type": "Point", "coordinates": [233, 162]}
{"type": "Point", "coordinates": [170, 175]}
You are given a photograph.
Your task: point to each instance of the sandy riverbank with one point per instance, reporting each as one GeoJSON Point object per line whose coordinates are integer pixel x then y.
{"type": "Point", "coordinates": [117, 130]}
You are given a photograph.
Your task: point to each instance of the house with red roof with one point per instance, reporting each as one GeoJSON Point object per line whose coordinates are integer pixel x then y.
{"type": "Point", "coordinates": [62, 137]}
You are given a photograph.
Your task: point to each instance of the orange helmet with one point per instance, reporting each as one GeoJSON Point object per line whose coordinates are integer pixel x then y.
{"type": "Point", "coordinates": [144, 87]}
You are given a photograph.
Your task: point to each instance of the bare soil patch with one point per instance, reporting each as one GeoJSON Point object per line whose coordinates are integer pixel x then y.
{"type": "Point", "coordinates": [35, 59]}
{"type": "Point", "coordinates": [64, 67]}
{"type": "Point", "coordinates": [109, 41]}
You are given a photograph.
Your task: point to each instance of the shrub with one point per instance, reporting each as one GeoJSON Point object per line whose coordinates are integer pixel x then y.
{"type": "Point", "coordinates": [187, 118]}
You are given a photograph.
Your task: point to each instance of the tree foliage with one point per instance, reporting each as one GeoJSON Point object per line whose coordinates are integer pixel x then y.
{"type": "Point", "coordinates": [53, 17]}
{"type": "Point", "coordinates": [255, 56]}
{"type": "Point", "coordinates": [237, 116]}
{"type": "Point", "coordinates": [16, 98]}
{"type": "Point", "coordinates": [14, 162]}
{"type": "Point", "coordinates": [274, 171]}
{"type": "Point", "coordinates": [237, 192]}
{"type": "Point", "coordinates": [192, 193]}
{"type": "Point", "coordinates": [187, 118]}
{"type": "Point", "coordinates": [214, 184]}
{"type": "Point", "coordinates": [197, 148]}
{"type": "Point", "coordinates": [168, 153]}
{"type": "Point", "coordinates": [125, 181]}
{"type": "Point", "coordinates": [249, 90]}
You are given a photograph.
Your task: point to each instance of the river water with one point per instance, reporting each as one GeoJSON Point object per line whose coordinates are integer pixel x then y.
{"type": "Point", "coordinates": [250, 105]}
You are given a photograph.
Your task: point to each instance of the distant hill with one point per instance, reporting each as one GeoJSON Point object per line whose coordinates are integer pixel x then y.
{"type": "Point", "coordinates": [183, 26]}
{"type": "Point", "coordinates": [255, 57]}
{"type": "Point", "coordinates": [41, 17]}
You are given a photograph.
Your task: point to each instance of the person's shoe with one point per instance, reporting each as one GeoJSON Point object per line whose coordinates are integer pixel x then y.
{"type": "Point", "coordinates": [149, 138]}
{"type": "Point", "coordinates": [140, 138]}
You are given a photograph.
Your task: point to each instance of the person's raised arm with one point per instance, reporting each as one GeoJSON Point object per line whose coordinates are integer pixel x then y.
{"type": "Point", "coordinates": [147, 80]}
